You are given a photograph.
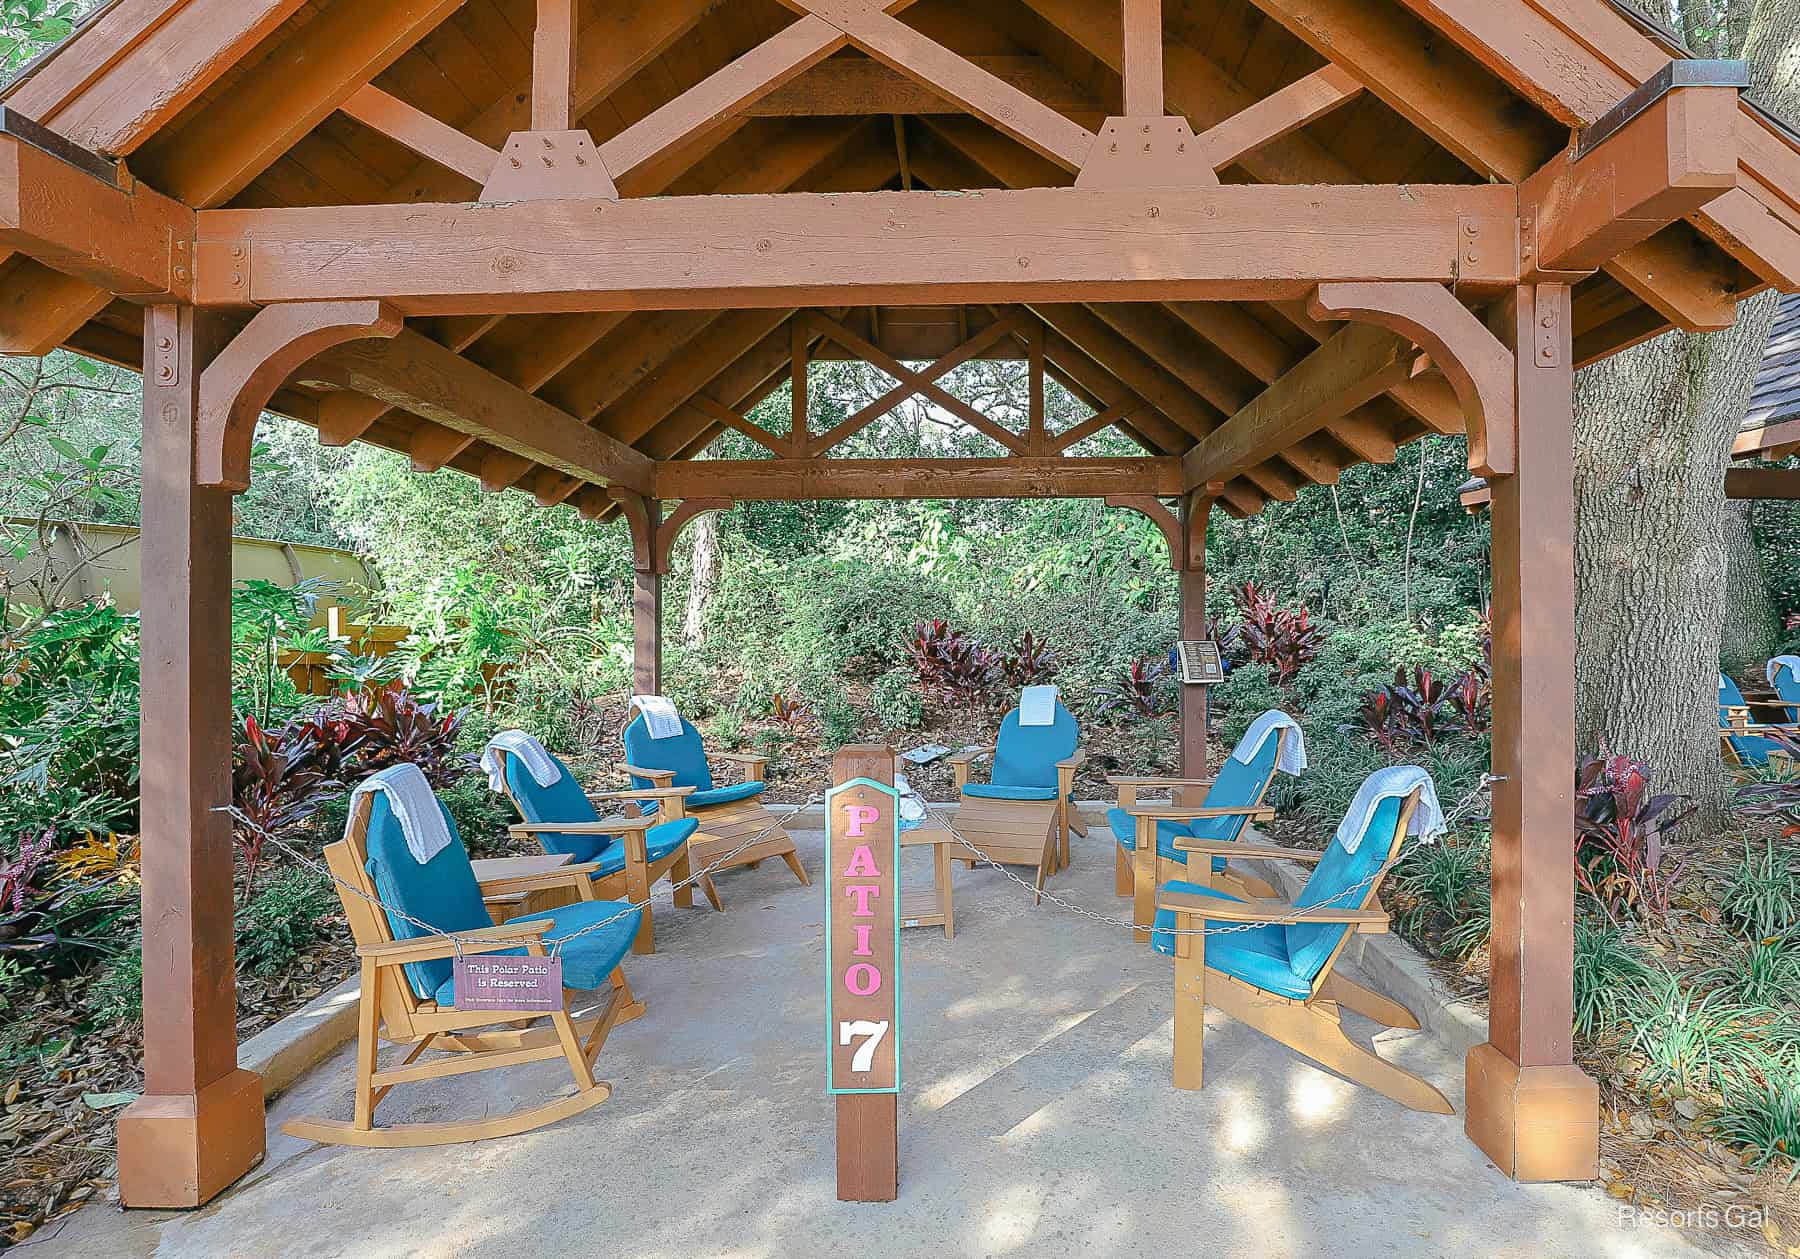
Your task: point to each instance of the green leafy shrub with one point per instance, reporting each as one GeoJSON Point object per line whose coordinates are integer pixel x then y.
{"type": "Point", "coordinates": [837, 716]}
{"type": "Point", "coordinates": [1692, 1041]}
{"type": "Point", "coordinates": [1443, 877]}
{"type": "Point", "coordinates": [897, 703]}
{"type": "Point", "coordinates": [1609, 971]}
{"type": "Point", "coordinates": [1764, 892]}
{"type": "Point", "coordinates": [1247, 692]}
{"type": "Point", "coordinates": [1758, 972]}
{"type": "Point", "coordinates": [482, 816]}
{"type": "Point", "coordinates": [116, 994]}
{"type": "Point", "coordinates": [726, 731]}
{"type": "Point", "coordinates": [853, 618]}
{"type": "Point", "coordinates": [1764, 1116]}
{"type": "Point", "coordinates": [284, 919]}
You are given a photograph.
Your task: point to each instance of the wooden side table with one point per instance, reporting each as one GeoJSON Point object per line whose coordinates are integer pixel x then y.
{"type": "Point", "coordinates": [506, 908]}
{"type": "Point", "coordinates": [923, 908]}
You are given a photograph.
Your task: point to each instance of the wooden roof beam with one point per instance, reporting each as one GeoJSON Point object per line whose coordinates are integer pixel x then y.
{"type": "Point", "coordinates": [1356, 365]}
{"type": "Point", "coordinates": [1762, 483]}
{"type": "Point", "coordinates": [1275, 117]}
{"type": "Point", "coordinates": [861, 86]}
{"type": "Point", "coordinates": [1137, 370]}
{"type": "Point", "coordinates": [790, 480]}
{"type": "Point", "coordinates": [417, 130]}
{"type": "Point", "coordinates": [416, 374]}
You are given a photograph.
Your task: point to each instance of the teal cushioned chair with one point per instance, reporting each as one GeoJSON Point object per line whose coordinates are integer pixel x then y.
{"type": "Point", "coordinates": [402, 915]}
{"type": "Point", "coordinates": [1787, 686]}
{"type": "Point", "coordinates": [1283, 959]}
{"type": "Point", "coordinates": [1738, 735]}
{"type": "Point", "coordinates": [629, 854]}
{"type": "Point", "coordinates": [728, 816]}
{"type": "Point", "coordinates": [1033, 766]}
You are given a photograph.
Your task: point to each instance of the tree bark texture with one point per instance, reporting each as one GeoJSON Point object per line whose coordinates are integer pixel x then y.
{"type": "Point", "coordinates": [1749, 633]}
{"type": "Point", "coordinates": [1653, 433]}
{"type": "Point", "coordinates": [703, 577]}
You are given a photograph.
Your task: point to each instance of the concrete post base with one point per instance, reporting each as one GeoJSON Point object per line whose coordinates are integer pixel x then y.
{"type": "Point", "coordinates": [1535, 1123]}
{"type": "Point", "coordinates": [180, 1150]}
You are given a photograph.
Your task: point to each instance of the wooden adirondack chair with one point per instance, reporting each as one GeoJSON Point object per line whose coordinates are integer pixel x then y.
{"type": "Point", "coordinates": [1280, 977]}
{"type": "Point", "coordinates": [727, 816]}
{"type": "Point", "coordinates": [1741, 740]}
{"type": "Point", "coordinates": [406, 982]}
{"type": "Point", "coordinates": [1147, 834]}
{"type": "Point", "coordinates": [1787, 686]}
{"type": "Point", "coordinates": [629, 854]}
{"type": "Point", "coordinates": [1025, 811]}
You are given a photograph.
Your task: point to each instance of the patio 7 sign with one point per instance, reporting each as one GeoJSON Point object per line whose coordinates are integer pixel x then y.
{"type": "Point", "coordinates": [862, 938]}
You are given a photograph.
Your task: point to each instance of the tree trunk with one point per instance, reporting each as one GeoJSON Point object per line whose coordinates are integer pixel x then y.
{"type": "Point", "coordinates": [1749, 635]}
{"type": "Point", "coordinates": [703, 578]}
{"type": "Point", "coordinates": [1653, 432]}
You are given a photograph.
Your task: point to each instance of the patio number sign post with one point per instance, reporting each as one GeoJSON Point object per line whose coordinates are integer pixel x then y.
{"type": "Point", "coordinates": [862, 970]}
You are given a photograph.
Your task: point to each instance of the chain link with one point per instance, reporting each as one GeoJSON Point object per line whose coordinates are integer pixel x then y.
{"type": "Point", "coordinates": [457, 941]}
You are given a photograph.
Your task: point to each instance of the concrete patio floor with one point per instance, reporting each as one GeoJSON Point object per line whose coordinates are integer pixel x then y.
{"type": "Point", "coordinates": [1037, 1119]}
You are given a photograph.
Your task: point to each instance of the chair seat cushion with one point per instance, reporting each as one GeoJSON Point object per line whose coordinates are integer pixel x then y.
{"type": "Point", "coordinates": [988, 791]}
{"type": "Point", "coordinates": [1124, 829]}
{"type": "Point", "coordinates": [587, 962]}
{"type": "Point", "coordinates": [1257, 956]}
{"type": "Point", "coordinates": [659, 842]}
{"type": "Point", "coordinates": [1754, 749]}
{"type": "Point", "coordinates": [726, 795]}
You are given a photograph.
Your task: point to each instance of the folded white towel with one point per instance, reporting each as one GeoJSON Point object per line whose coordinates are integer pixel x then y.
{"type": "Point", "coordinates": [912, 807]}
{"type": "Point", "coordinates": [1293, 748]}
{"type": "Point", "coordinates": [1790, 663]}
{"type": "Point", "coordinates": [415, 807]}
{"type": "Point", "coordinates": [660, 717]}
{"type": "Point", "coordinates": [1037, 706]}
{"type": "Point", "coordinates": [1396, 780]}
{"type": "Point", "coordinates": [544, 770]}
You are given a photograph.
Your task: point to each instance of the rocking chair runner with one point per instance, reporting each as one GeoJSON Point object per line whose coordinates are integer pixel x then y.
{"type": "Point", "coordinates": [407, 982]}
{"type": "Point", "coordinates": [1023, 814]}
{"type": "Point", "coordinates": [1280, 976]}
{"type": "Point", "coordinates": [727, 816]}
{"type": "Point", "coordinates": [629, 854]}
{"type": "Point", "coordinates": [1233, 798]}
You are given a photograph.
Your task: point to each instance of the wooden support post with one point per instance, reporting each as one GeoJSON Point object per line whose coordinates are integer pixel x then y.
{"type": "Point", "coordinates": [553, 66]}
{"type": "Point", "coordinates": [1529, 1107]}
{"type": "Point", "coordinates": [800, 429]}
{"type": "Point", "coordinates": [1143, 66]}
{"type": "Point", "coordinates": [1194, 699]}
{"type": "Point", "coordinates": [646, 601]}
{"type": "Point", "coordinates": [868, 1124]}
{"type": "Point", "coordinates": [199, 1124]}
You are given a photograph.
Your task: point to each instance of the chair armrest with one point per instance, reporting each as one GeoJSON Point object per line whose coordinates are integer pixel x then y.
{"type": "Point", "coordinates": [1211, 909]}
{"type": "Point", "coordinates": [1239, 848]}
{"type": "Point", "coordinates": [429, 948]}
{"type": "Point", "coordinates": [754, 764]}
{"type": "Point", "coordinates": [1174, 813]}
{"type": "Point", "coordinates": [969, 755]}
{"type": "Point", "coordinates": [648, 793]}
{"type": "Point", "coordinates": [525, 830]}
{"type": "Point", "coordinates": [661, 777]}
{"type": "Point", "coordinates": [572, 876]}
{"type": "Point", "coordinates": [1074, 762]}
{"type": "Point", "coordinates": [960, 762]}
{"type": "Point", "coordinates": [1129, 780]}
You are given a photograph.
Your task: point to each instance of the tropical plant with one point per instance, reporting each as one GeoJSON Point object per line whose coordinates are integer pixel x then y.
{"type": "Point", "coordinates": [1773, 790]}
{"type": "Point", "coordinates": [1622, 829]}
{"type": "Point", "coordinates": [279, 780]}
{"type": "Point", "coordinates": [786, 710]}
{"type": "Point", "coordinates": [264, 615]}
{"type": "Point", "coordinates": [1028, 663]}
{"type": "Point", "coordinates": [951, 663]}
{"type": "Point", "coordinates": [1143, 691]}
{"type": "Point", "coordinates": [48, 920]}
{"type": "Point", "coordinates": [391, 726]}
{"type": "Point", "coordinates": [1285, 639]}
{"type": "Point", "coordinates": [1470, 695]}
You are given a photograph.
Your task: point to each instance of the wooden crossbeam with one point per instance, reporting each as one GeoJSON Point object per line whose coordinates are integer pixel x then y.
{"type": "Point", "coordinates": [853, 249]}
{"type": "Point", "coordinates": [861, 86]}
{"type": "Point", "coordinates": [1251, 130]}
{"type": "Point", "coordinates": [998, 103]}
{"type": "Point", "coordinates": [737, 423]}
{"type": "Point", "coordinates": [1098, 422]}
{"type": "Point", "coordinates": [1356, 365]}
{"type": "Point", "coordinates": [912, 383]}
{"type": "Point", "coordinates": [419, 131]}
{"type": "Point", "coordinates": [416, 374]}
{"type": "Point", "coordinates": [1762, 483]}
{"type": "Point", "coordinates": [790, 480]}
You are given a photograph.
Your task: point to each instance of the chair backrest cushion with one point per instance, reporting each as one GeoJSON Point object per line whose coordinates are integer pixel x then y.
{"type": "Point", "coordinates": [684, 753]}
{"type": "Point", "coordinates": [1309, 945]}
{"type": "Point", "coordinates": [1729, 697]}
{"type": "Point", "coordinates": [1788, 687]}
{"type": "Point", "coordinates": [1026, 756]}
{"type": "Point", "coordinates": [562, 801]}
{"type": "Point", "coordinates": [442, 892]}
{"type": "Point", "coordinates": [1237, 784]}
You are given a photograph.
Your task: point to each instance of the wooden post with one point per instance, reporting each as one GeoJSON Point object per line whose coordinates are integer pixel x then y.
{"type": "Point", "coordinates": [553, 66]}
{"type": "Point", "coordinates": [1194, 699]}
{"type": "Point", "coordinates": [1529, 1108]}
{"type": "Point", "coordinates": [646, 602]}
{"type": "Point", "coordinates": [1143, 60]}
{"type": "Point", "coordinates": [199, 1124]}
{"type": "Point", "coordinates": [868, 1141]}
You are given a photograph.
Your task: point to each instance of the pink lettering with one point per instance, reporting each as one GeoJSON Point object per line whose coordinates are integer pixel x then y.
{"type": "Point", "coordinates": [862, 892]}
{"type": "Point", "coordinates": [862, 930]}
{"type": "Point", "coordinates": [861, 815]}
{"type": "Point", "coordinates": [862, 864]}
{"type": "Point", "coordinates": [863, 980]}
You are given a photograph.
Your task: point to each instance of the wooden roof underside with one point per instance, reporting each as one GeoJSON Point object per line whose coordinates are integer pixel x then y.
{"type": "Point", "coordinates": [258, 105]}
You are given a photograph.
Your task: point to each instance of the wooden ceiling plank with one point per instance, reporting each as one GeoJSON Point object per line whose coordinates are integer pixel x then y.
{"type": "Point", "coordinates": [433, 446]}
{"type": "Point", "coordinates": [1135, 369]}
{"type": "Point", "coordinates": [1065, 358]}
{"type": "Point", "coordinates": [420, 132]}
{"type": "Point", "coordinates": [660, 395]}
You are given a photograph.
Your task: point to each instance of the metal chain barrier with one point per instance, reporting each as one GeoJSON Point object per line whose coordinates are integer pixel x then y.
{"type": "Point", "coordinates": [1462, 809]}
{"type": "Point", "coordinates": [456, 941]}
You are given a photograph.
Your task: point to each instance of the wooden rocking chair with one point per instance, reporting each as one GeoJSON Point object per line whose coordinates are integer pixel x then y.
{"type": "Point", "coordinates": [407, 986]}
{"type": "Point", "coordinates": [1025, 811]}
{"type": "Point", "coordinates": [1280, 976]}
{"type": "Point", "coordinates": [629, 854]}
{"type": "Point", "coordinates": [1233, 798]}
{"type": "Point", "coordinates": [727, 816]}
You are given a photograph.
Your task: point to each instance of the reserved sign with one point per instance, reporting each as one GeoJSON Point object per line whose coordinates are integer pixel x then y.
{"type": "Point", "coordinates": [493, 981]}
{"type": "Point", "coordinates": [862, 938]}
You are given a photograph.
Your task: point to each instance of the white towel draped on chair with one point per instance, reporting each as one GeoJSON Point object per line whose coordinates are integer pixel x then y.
{"type": "Point", "coordinates": [660, 717]}
{"type": "Point", "coordinates": [1791, 663]}
{"type": "Point", "coordinates": [1293, 748]}
{"type": "Point", "coordinates": [544, 771]}
{"type": "Point", "coordinates": [1037, 706]}
{"type": "Point", "coordinates": [415, 807]}
{"type": "Point", "coordinates": [1396, 780]}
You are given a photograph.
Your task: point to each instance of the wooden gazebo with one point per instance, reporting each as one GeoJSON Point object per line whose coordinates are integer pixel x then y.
{"type": "Point", "coordinates": [561, 245]}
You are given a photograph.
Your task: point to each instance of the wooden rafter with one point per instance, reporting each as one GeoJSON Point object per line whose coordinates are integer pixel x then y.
{"type": "Point", "coordinates": [419, 131]}
{"type": "Point", "coordinates": [1257, 126]}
